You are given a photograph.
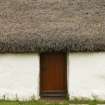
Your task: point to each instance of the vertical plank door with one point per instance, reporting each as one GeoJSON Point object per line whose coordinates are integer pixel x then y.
{"type": "Point", "coordinates": [53, 75]}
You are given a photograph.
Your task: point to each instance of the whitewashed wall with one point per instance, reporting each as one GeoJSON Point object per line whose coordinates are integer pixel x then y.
{"type": "Point", "coordinates": [19, 76]}
{"type": "Point", "coordinates": [86, 75]}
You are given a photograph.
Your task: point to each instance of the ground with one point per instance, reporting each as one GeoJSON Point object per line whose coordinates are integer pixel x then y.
{"type": "Point", "coordinates": [40, 102]}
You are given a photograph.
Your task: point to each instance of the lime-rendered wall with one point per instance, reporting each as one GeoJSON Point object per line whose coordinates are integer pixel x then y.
{"type": "Point", "coordinates": [86, 76]}
{"type": "Point", "coordinates": [19, 76]}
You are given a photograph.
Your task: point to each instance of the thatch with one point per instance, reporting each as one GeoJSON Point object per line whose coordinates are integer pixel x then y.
{"type": "Point", "coordinates": [52, 25]}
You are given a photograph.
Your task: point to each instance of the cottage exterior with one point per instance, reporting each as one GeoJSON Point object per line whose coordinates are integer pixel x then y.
{"type": "Point", "coordinates": [52, 48]}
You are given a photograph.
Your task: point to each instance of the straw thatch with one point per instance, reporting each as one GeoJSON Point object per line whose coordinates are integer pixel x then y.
{"type": "Point", "coordinates": [52, 25]}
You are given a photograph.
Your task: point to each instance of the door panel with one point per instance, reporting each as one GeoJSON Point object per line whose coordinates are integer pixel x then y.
{"type": "Point", "coordinates": [53, 74]}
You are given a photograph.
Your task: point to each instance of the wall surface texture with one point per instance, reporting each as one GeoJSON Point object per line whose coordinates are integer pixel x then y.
{"type": "Point", "coordinates": [19, 76]}
{"type": "Point", "coordinates": [86, 75]}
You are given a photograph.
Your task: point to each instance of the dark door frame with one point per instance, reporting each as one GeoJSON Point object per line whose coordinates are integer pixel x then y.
{"type": "Point", "coordinates": [65, 54]}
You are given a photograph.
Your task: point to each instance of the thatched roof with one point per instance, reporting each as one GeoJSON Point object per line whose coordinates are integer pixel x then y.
{"type": "Point", "coordinates": [52, 25]}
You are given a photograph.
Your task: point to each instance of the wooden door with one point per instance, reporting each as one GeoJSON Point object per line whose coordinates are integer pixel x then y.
{"type": "Point", "coordinates": [53, 74]}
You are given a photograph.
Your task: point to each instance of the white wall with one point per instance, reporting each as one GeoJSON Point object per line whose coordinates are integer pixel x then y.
{"type": "Point", "coordinates": [86, 75]}
{"type": "Point", "coordinates": [19, 76]}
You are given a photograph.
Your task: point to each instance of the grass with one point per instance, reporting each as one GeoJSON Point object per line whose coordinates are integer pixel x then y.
{"type": "Point", "coordinates": [43, 102]}
{"type": "Point", "coordinates": [31, 103]}
{"type": "Point", "coordinates": [74, 102]}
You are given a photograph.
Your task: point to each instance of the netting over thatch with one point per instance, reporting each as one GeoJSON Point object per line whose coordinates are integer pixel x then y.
{"type": "Point", "coordinates": [52, 25]}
